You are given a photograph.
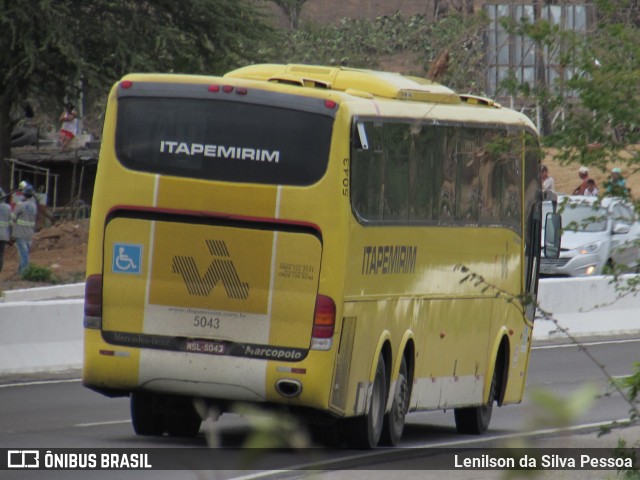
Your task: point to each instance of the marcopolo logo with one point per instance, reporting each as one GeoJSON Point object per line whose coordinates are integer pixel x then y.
{"type": "Point", "coordinates": [280, 353]}
{"type": "Point", "coordinates": [221, 269]}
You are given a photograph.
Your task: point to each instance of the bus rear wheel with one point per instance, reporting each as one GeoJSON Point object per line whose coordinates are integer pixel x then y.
{"type": "Point", "coordinates": [144, 419]}
{"type": "Point", "coordinates": [325, 435]}
{"type": "Point", "coordinates": [184, 426]}
{"type": "Point", "coordinates": [365, 431]}
{"type": "Point", "coordinates": [394, 420]}
{"type": "Point", "coordinates": [475, 420]}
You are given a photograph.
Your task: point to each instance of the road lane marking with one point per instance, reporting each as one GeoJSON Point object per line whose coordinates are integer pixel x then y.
{"type": "Point", "coordinates": [586, 344]}
{"type": "Point", "coordinates": [100, 424]}
{"type": "Point", "coordinates": [389, 451]}
{"type": "Point", "coordinates": [40, 382]}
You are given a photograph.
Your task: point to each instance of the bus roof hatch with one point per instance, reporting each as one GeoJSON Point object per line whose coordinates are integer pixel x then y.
{"type": "Point", "coordinates": [349, 80]}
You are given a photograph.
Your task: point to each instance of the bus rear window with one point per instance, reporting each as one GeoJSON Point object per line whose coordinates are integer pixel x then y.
{"type": "Point", "coordinates": [222, 140]}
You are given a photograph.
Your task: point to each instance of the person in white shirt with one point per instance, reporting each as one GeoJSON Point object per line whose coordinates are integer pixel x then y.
{"type": "Point", "coordinates": [591, 190]}
{"type": "Point", "coordinates": [548, 185]}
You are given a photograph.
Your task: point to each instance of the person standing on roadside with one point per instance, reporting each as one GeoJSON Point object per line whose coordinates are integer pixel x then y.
{"type": "Point", "coordinates": [5, 225]}
{"type": "Point", "coordinates": [17, 196]}
{"type": "Point", "coordinates": [583, 173]}
{"type": "Point", "coordinates": [547, 180]}
{"type": "Point", "coordinates": [616, 185]}
{"type": "Point", "coordinates": [24, 225]}
{"type": "Point", "coordinates": [591, 190]}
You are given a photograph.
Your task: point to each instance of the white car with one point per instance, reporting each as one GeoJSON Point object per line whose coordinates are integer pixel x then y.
{"type": "Point", "coordinates": [599, 236]}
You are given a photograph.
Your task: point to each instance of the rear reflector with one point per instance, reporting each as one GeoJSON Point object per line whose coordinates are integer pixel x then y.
{"type": "Point", "coordinates": [93, 297]}
{"type": "Point", "coordinates": [324, 322]}
{"type": "Point", "coordinates": [114, 353]}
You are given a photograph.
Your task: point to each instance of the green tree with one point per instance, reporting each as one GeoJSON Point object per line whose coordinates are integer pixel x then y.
{"type": "Point", "coordinates": [608, 87]}
{"type": "Point", "coordinates": [54, 49]}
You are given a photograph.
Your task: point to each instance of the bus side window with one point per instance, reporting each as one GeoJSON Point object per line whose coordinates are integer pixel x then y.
{"type": "Point", "coordinates": [396, 171]}
{"type": "Point", "coordinates": [447, 206]}
{"type": "Point", "coordinates": [367, 172]}
{"type": "Point", "coordinates": [468, 188]}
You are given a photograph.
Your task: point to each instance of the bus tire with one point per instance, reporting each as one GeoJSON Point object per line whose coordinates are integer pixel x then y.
{"type": "Point", "coordinates": [393, 424]}
{"type": "Point", "coordinates": [143, 418]}
{"type": "Point", "coordinates": [181, 418]}
{"type": "Point", "coordinates": [325, 435]}
{"type": "Point", "coordinates": [182, 426]}
{"type": "Point", "coordinates": [475, 420]}
{"type": "Point", "coordinates": [365, 431]}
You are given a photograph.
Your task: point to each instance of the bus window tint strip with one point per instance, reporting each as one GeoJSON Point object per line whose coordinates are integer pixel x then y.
{"type": "Point", "coordinates": [421, 173]}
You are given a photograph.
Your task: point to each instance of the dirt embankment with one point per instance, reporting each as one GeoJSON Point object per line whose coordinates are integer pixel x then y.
{"type": "Point", "coordinates": [62, 248]}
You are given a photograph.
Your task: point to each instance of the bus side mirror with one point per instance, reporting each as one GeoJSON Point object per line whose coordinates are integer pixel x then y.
{"type": "Point", "coordinates": [549, 195]}
{"type": "Point", "coordinates": [552, 234]}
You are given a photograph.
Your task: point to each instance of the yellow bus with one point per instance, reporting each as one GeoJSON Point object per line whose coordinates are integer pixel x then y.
{"type": "Point", "coordinates": [303, 237]}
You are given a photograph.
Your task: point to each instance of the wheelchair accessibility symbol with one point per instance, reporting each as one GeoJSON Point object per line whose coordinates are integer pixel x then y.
{"type": "Point", "coordinates": [127, 258]}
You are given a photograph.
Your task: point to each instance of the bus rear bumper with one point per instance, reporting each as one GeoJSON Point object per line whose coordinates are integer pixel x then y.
{"type": "Point", "coordinates": [111, 369]}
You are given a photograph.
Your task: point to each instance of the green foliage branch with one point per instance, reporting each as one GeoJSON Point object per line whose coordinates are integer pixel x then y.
{"type": "Point", "coordinates": [627, 387]}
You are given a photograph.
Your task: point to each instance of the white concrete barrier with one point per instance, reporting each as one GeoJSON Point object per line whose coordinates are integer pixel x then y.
{"type": "Point", "coordinates": [46, 335]}
{"type": "Point", "coordinates": [55, 292]}
{"type": "Point", "coordinates": [588, 306]}
{"type": "Point", "coordinates": [41, 336]}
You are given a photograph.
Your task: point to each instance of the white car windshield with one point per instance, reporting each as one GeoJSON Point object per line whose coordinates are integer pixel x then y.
{"type": "Point", "coordinates": [583, 218]}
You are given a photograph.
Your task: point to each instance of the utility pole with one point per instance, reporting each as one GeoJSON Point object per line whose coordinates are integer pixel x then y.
{"type": "Point", "coordinates": [542, 112]}
{"type": "Point", "coordinates": [292, 9]}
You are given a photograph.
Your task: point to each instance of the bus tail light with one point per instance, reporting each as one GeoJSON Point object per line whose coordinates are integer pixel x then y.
{"type": "Point", "coordinates": [324, 322]}
{"type": "Point", "coordinates": [93, 302]}
{"type": "Point", "coordinates": [227, 89]}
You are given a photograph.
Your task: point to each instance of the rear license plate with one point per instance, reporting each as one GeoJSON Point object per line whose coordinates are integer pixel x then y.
{"type": "Point", "coordinates": [205, 346]}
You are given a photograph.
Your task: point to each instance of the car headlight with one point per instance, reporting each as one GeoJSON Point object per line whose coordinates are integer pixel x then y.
{"type": "Point", "coordinates": [589, 248]}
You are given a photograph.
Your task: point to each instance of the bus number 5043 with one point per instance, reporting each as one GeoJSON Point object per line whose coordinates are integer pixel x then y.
{"type": "Point", "coordinates": [345, 180]}
{"type": "Point", "coordinates": [206, 322]}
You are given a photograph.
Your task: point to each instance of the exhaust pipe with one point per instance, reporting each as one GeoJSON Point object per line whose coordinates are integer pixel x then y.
{"type": "Point", "coordinates": [289, 388]}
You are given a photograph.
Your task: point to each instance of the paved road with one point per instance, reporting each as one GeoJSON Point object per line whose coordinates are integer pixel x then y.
{"type": "Point", "coordinates": [61, 413]}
